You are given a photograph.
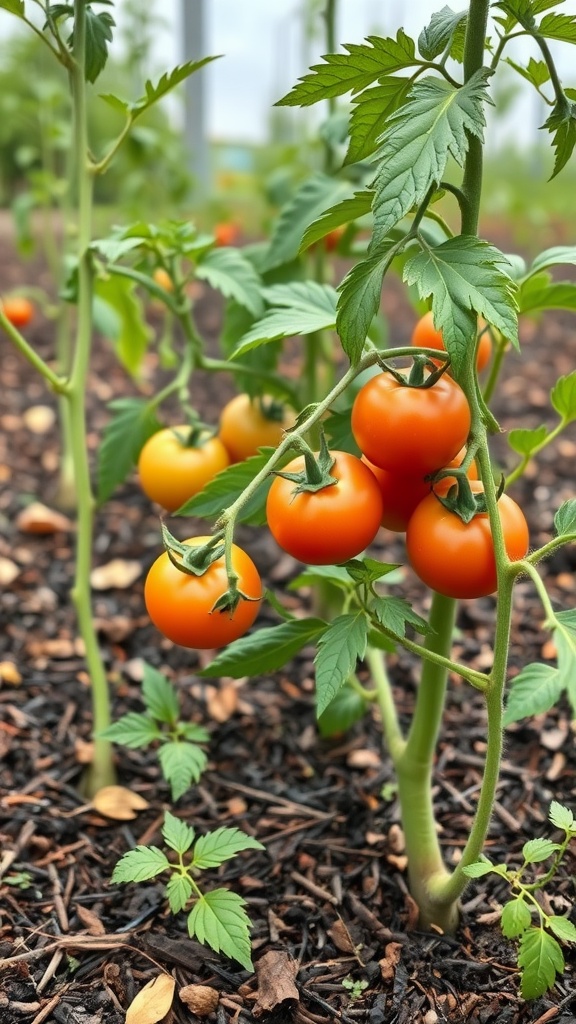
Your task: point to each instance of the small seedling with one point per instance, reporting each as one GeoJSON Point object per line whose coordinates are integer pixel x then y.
{"type": "Point", "coordinates": [355, 987]}
{"type": "Point", "coordinates": [540, 955]}
{"type": "Point", "coordinates": [217, 918]}
{"type": "Point", "coordinates": [182, 760]}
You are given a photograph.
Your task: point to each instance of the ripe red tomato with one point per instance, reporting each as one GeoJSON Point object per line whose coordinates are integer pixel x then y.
{"type": "Point", "coordinates": [180, 605]}
{"type": "Point", "coordinates": [328, 526]}
{"type": "Point", "coordinates": [408, 430]}
{"type": "Point", "coordinates": [18, 310]}
{"type": "Point", "coordinates": [244, 428]}
{"type": "Point", "coordinates": [401, 494]}
{"type": "Point", "coordinates": [171, 473]}
{"type": "Point", "coordinates": [455, 558]}
{"type": "Point", "coordinates": [425, 335]}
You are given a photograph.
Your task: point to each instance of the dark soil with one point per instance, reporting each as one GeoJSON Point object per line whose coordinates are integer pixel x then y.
{"type": "Point", "coordinates": [328, 899]}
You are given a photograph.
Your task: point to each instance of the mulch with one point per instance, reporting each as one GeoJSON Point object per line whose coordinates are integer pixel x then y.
{"type": "Point", "coordinates": [334, 928]}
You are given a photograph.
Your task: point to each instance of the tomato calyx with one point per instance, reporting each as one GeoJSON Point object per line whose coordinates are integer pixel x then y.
{"type": "Point", "coordinates": [193, 560]}
{"type": "Point", "coordinates": [316, 474]}
{"type": "Point", "coordinates": [271, 408]}
{"type": "Point", "coordinates": [196, 434]}
{"type": "Point", "coordinates": [417, 377]}
{"type": "Point", "coordinates": [463, 500]}
{"type": "Point", "coordinates": [229, 601]}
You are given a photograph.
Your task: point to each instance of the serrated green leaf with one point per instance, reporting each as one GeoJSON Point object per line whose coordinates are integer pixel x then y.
{"type": "Point", "coordinates": [339, 648]}
{"type": "Point", "coordinates": [539, 293]}
{"type": "Point", "coordinates": [394, 613]}
{"type": "Point", "coordinates": [179, 890]}
{"type": "Point", "coordinates": [359, 301]}
{"type": "Point", "coordinates": [215, 847]}
{"type": "Point", "coordinates": [563, 928]}
{"type": "Point", "coordinates": [466, 277]}
{"type": "Point", "coordinates": [370, 113]}
{"type": "Point", "coordinates": [536, 71]}
{"type": "Point", "coordinates": [124, 436]}
{"type": "Point", "coordinates": [265, 650]}
{"type": "Point", "coordinates": [140, 864]}
{"type": "Point", "coordinates": [220, 921]}
{"type": "Point", "coordinates": [335, 574]}
{"type": "Point", "coordinates": [535, 851]}
{"type": "Point", "coordinates": [368, 570]}
{"type": "Point", "coordinates": [563, 397]}
{"type": "Point", "coordinates": [316, 195]}
{"type": "Point", "coordinates": [478, 869]}
{"type": "Point", "coordinates": [159, 696]}
{"type": "Point", "coordinates": [347, 708]}
{"type": "Point", "coordinates": [177, 834]}
{"type": "Point", "coordinates": [565, 518]}
{"type": "Point", "coordinates": [132, 730]}
{"type": "Point", "coordinates": [533, 691]}
{"type": "Point", "coordinates": [562, 125]}
{"type": "Point", "coordinates": [133, 332]}
{"type": "Point", "coordinates": [230, 273]}
{"type": "Point", "coordinates": [228, 485]}
{"type": "Point", "coordinates": [434, 124]}
{"type": "Point", "coordinates": [558, 26]}
{"type": "Point", "coordinates": [98, 35]}
{"type": "Point", "coordinates": [439, 32]}
{"type": "Point", "coordinates": [566, 647]}
{"type": "Point", "coordinates": [516, 918]}
{"type": "Point", "coordinates": [562, 817]}
{"type": "Point", "coordinates": [554, 256]}
{"type": "Point", "coordinates": [359, 67]}
{"type": "Point", "coordinates": [540, 958]}
{"type": "Point", "coordinates": [192, 732]}
{"type": "Point", "coordinates": [308, 307]}
{"type": "Point", "coordinates": [167, 82]}
{"type": "Point", "coordinates": [13, 7]}
{"type": "Point", "coordinates": [525, 440]}
{"type": "Point", "coordinates": [349, 209]}
{"type": "Point", "coordinates": [182, 764]}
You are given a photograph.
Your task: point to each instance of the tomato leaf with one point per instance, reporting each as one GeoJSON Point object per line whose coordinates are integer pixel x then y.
{"type": "Point", "coordinates": [220, 920]}
{"type": "Point", "coordinates": [563, 928]}
{"type": "Point", "coordinates": [394, 613]}
{"type": "Point", "coordinates": [434, 124]}
{"type": "Point", "coordinates": [562, 817]}
{"type": "Point", "coordinates": [132, 333]}
{"type": "Point", "coordinates": [540, 292]}
{"type": "Point", "coordinates": [303, 307]}
{"type": "Point", "coordinates": [558, 26]}
{"type": "Point", "coordinates": [178, 891]}
{"type": "Point", "coordinates": [316, 195]}
{"type": "Point", "coordinates": [562, 125]}
{"type": "Point", "coordinates": [98, 35]}
{"type": "Point", "coordinates": [540, 958]}
{"type": "Point", "coordinates": [124, 436]}
{"type": "Point", "coordinates": [347, 708]}
{"type": "Point", "coordinates": [536, 71]}
{"type": "Point", "coordinates": [535, 851]}
{"type": "Point", "coordinates": [516, 918]}
{"type": "Point", "coordinates": [335, 574]}
{"type": "Point", "coordinates": [215, 847]}
{"type": "Point", "coordinates": [182, 764]}
{"type": "Point", "coordinates": [525, 440]}
{"type": "Point", "coordinates": [265, 650]}
{"type": "Point", "coordinates": [140, 864]}
{"type": "Point", "coordinates": [359, 67]}
{"type": "Point", "coordinates": [565, 519]}
{"type": "Point", "coordinates": [339, 648]}
{"type": "Point", "coordinates": [153, 93]}
{"type": "Point", "coordinates": [159, 696]}
{"type": "Point", "coordinates": [368, 570]}
{"type": "Point", "coordinates": [226, 486]}
{"type": "Point", "coordinates": [479, 868]}
{"type": "Point", "coordinates": [371, 111]}
{"type": "Point", "coordinates": [133, 730]}
{"type": "Point", "coordinates": [359, 205]}
{"type": "Point", "coordinates": [465, 277]}
{"type": "Point", "coordinates": [13, 7]}
{"type": "Point", "coordinates": [439, 32]}
{"type": "Point", "coordinates": [533, 691]}
{"type": "Point", "coordinates": [230, 273]}
{"type": "Point", "coordinates": [177, 834]}
{"type": "Point", "coordinates": [359, 301]}
{"type": "Point", "coordinates": [563, 397]}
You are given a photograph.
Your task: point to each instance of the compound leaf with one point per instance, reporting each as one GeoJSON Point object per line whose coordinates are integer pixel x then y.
{"type": "Point", "coordinates": [230, 273]}
{"type": "Point", "coordinates": [124, 436]}
{"type": "Point", "coordinates": [265, 650]}
{"type": "Point", "coordinates": [540, 958]}
{"type": "Point", "coordinates": [220, 920]}
{"type": "Point", "coordinates": [339, 648]}
{"type": "Point", "coordinates": [159, 696]}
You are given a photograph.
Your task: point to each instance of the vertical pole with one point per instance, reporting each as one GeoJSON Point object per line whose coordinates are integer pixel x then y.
{"type": "Point", "coordinates": [194, 46]}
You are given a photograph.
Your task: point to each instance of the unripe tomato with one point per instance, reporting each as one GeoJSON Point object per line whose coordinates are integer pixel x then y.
{"type": "Point", "coordinates": [171, 472]}
{"type": "Point", "coordinates": [181, 606]}
{"type": "Point", "coordinates": [401, 494]}
{"type": "Point", "coordinates": [18, 310]}
{"type": "Point", "coordinates": [456, 558]}
{"type": "Point", "coordinates": [408, 430]}
{"type": "Point", "coordinates": [331, 525]}
{"type": "Point", "coordinates": [425, 335]}
{"type": "Point", "coordinates": [162, 277]}
{"type": "Point", "coordinates": [244, 428]}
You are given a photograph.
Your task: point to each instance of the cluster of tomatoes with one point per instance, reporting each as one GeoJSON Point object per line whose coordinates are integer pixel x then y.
{"type": "Point", "coordinates": [325, 507]}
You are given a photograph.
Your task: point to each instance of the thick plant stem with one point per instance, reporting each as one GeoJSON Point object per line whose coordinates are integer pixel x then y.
{"type": "Point", "coordinates": [426, 866]}
{"type": "Point", "coordinates": [101, 771]}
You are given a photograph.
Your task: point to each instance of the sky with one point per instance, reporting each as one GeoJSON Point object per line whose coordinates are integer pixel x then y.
{"type": "Point", "coordinates": [264, 53]}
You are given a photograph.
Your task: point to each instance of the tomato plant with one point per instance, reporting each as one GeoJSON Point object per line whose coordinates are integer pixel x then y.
{"type": "Point", "coordinates": [329, 525]}
{"type": "Point", "coordinates": [456, 558]}
{"type": "Point", "coordinates": [247, 424]}
{"type": "Point", "coordinates": [18, 310]}
{"type": "Point", "coordinates": [171, 470]}
{"type": "Point", "coordinates": [425, 335]}
{"type": "Point", "coordinates": [409, 430]}
{"type": "Point", "coordinates": [181, 606]}
{"type": "Point", "coordinates": [401, 494]}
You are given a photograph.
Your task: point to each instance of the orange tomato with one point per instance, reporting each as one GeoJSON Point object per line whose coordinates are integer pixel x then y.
{"type": "Point", "coordinates": [171, 471]}
{"type": "Point", "coordinates": [18, 310]}
{"type": "Point", "coordinates": [425, 335]}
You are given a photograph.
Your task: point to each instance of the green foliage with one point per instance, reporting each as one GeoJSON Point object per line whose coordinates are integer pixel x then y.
{"type": "Point", "coordinates": [218, 917]}
{"type": "Point", "coordinates": [133, 422]}
{"type": "Point", "coordinates": [297, 309]}
{"type": "Point", "coordinates": [181, 759]}
{"type": "Point", "coordinates": [540, 955]}
{"type": "Point", "coordinates": [228, 485]}
{"type": "Point", "coordinates": [339, 648]}
{"type": "Point", "coordinates": [266, 650]}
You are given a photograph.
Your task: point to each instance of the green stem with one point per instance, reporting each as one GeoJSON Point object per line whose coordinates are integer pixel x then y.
{"type": "Point", "coordinates": [58, 384]}
{"type": "Point", "coordinates": [102, 768]}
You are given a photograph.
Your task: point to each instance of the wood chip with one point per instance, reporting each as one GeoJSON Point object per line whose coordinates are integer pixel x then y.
{"type": "Point", "coordinates": [276, 973]}
{"type": "Point", "coordinates": [200, 999]}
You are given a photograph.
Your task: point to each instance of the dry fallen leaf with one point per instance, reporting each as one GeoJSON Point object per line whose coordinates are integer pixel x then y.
{"type": "Point", "coordinates": [152, 1002]}
{"type": "Point", "coordinates": [221, 702]}
{"type": "Point", "coordinates": [8, 572]}
{"type": "Point", "coordinates": [119, 573]}
{"type": "Point", "coordinates": [276, 973]}
{"type": "Point", "coordinates": [119, 803]}
{"type": "Point", "coordinates": [90, 920]}
{"type": "Point", "coordinates": [9, 673]}
{"type": "Point", "coordinates": [38, 518]}
{"type": "Point", "coordinates": [200, 999]}
{"type": "Point", "coordinates": [39, 418]}
{"type": "Point", "coordinates": [363, 759]}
